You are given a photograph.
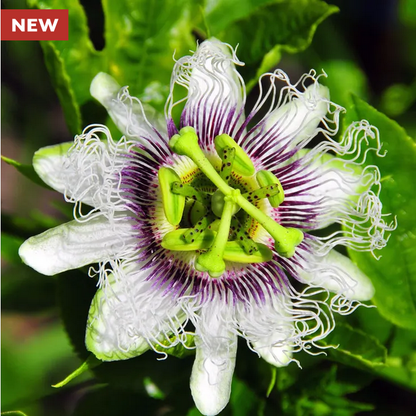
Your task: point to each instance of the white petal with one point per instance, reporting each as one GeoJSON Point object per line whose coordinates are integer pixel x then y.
{"type": "Point", "coordinates": [48, 163]}
{"type": "Point", "coordinates": [270, 329]}
{"type": "Point", "coordinates": [127, 315]}
{"type": "Point", "coordinates": [86, 170]}
{"type": "Point", "coordinates": [288, 126]}
{"type": "Point", "coordinates": [133, 118]}
{"type": "Point", "coordinates": [337, 273]}
{"type": "Point", "coordinates": [298, 119]}
{"type": "Point", "coordinates": [212, 372]}
{"type": "Point", "coordinates": [76, 244]}
{"type": "Point", "coordinates": [272, 352]}
{"type": "Point", "coordinates": [215, 90]}
{"type": "Point", "coordinates": [89, 171]}
{"type": "Point", "coordinates": [324, 185]}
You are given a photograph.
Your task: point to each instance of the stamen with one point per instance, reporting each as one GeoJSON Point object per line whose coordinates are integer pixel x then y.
{"type": "Point", "coordinates": [242, 163]}
{"type": "Point", "coordinates": [233, 252]}
{"type": "Point", "coordinates": [212, 261]}
{"type": "Point", "coordinates": [175, 240]}
{"type": "Point", "coordinates": [242, 238]}
{"type": "Point", "coordinates": [286, 239]}
{"type": "Point", "coordinates": [200, 226]}
{"type": "Point", "coordinates": [186, 144]}
{"type": "Point", "coordinates": [266, 178]}
{"type": "Point", "coordinates": [265, 192]}
{"type": "Point", "coordinates": [228, 157]}
{"type": "Point", "coordinates": [179, 188]}
{"type": "Point", "coordinates": [173, 204]}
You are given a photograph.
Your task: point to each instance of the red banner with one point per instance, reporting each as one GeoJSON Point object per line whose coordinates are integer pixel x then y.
{"type": "Point", "coordinates": [23, 24]}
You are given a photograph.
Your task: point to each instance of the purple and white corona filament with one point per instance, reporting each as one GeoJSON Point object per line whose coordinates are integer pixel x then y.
{"type": "Point", "coordinates": [212, 222]}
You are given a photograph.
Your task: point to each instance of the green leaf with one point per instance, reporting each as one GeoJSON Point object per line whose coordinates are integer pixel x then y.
{"type": "Point", "coordinates": [344, 77]}
{"type": "Point", "coordinates": [355, 347]}
{"type": "Point", "coordinates": [25, 291]}
{"type": "Point", "coordinates": [321, 390]}
{"type": "Point", "coordinates": [9, 248]}
{"type": "Point", "coordinates": [108, 401]}
{"type": "Point", "coordinates": [243, 400]}
{"type": "Point", "coordinates": [398, 98]}
{"type": "Point", "coordinates": [141, 40]}
{"type": "Point", "coordinates": [26, 170]}
{"type": "Point", "coordinates": [394, 275]}
{"type": "Point", "coordinates": [72, 64]}
{"type": "Point", "coordinates": [63, 86]}
{"type": "Point", "coordinates": [401, 363]}
{"type": "Point", "coordinates": [285, 24]}
{"type": "Point", "coordinates": [221, 13]}
{"type": "Point", "coordinates": [28, 367]}
{"type": "Point", "coordinates": [141, 37]}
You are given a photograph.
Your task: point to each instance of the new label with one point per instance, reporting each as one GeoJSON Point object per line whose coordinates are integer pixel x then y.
{"type": "Point", "coordinates": [23, 24]}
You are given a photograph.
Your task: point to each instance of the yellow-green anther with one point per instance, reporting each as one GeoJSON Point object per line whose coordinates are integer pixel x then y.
{"type": "Point", "coordinates": [266, 178]}
{"type": "Point", "coordinates": [175, 241]}
{"type": "Point", "coordinates": [286, 239]}
{"type": "Point", "coordinates": [173, 204]}
{"type": "Point", "coordinates": [261, 193]}
{"type": "Point", "coordinates": [200, 226]}
{"type": "Point", "coordinates": [197, 212]}
{"type": "Point", "coordinates": [233, 252]}
{"type": "Point", "coordinates": [186, 144]}
{"type": "Point", "coordinates": [228, 156]}
{"type": "Point", "coordinates": [242, 163]}
{"type": "Point", "coordinates": [242, 238]}
{"type": "Point", "coordinates": [179, 188]}
{"type": "Point", "coordinates": [212, 261]}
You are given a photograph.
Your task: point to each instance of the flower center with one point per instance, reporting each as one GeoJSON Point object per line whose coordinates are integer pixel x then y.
{"type": "Point", "coordinates": [216, 223]}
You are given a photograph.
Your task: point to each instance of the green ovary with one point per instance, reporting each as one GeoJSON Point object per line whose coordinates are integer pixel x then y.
{"type": "Point", "coordinates": [219, 209]}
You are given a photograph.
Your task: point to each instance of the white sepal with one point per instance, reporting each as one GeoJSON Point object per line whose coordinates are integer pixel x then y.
{"type": "Point", "coordinates": [216, 93]}
{"type": "Point", "coordinates": [48, 163]}
{"type": "Point", "coordinates": [298, 120]}
{"type": "Point", "coordinates": [108, 334]}
{"type": "Point", "coordinates": [337, 273]}
{"type": "Point", "coordinates": [132, 117]}
{"type": "Point", "coordinates": [128, 316]}
{"type": "Point", "coordinates": [212, 372]}
{"type": "Point", "coordinates": [74, 244]}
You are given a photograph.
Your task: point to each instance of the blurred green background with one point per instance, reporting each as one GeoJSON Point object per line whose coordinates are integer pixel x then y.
{"type": "Point", "coordinates": [367, 47]}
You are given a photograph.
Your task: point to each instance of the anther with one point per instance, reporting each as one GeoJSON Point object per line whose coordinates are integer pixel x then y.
{"type": "Point", "coordinates": [242, 238]}
{"type": "Point", "coordinates": [201, 225]}
{"type": "Point", "coordinates": [233, 252]}
{"type": "Point", "coordinates": [188, 191]}
{"type": "Point", "coordinates": [242, 164]}
{"type": "Point", "coordinates": [175, 240]}
{"type": "Point", "coordinates": [266, 178]}
{"type": "Point", "coordinates": [265, 192]}
{"type": "Point", "coordinates": [173, 204]}
{"type": "Point", "coordinates": [228, 156]}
